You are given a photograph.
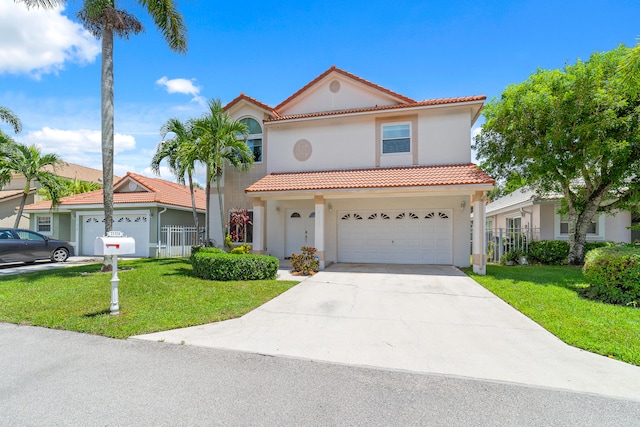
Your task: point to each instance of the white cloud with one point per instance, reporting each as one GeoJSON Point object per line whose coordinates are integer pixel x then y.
{"type": "Point", "coordinates": [184, 86]}
{"type": "Point", "coordinates": [38, 41]}
{"type": "Point", "coordinates": [81, 146]}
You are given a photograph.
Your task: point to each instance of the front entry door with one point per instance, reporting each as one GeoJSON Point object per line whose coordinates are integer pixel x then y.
{"type": "Point", "coordinates": [300, 230]}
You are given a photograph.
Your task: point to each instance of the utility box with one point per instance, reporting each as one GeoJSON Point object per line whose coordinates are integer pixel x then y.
{"type": "Point", "coordinates": [115, 243]}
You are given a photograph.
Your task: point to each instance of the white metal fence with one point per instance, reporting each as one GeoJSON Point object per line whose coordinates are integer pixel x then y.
{"type": "Point", "coordinates": [499, 241]}
{"type": "Point", "coordinates": [176, 240]}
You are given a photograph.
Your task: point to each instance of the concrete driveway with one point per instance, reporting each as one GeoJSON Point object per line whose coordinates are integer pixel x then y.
{"type": "Point", "coordinates": [431, 319]}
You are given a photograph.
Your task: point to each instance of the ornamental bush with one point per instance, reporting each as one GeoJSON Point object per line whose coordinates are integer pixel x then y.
{"type": "Point", "coordinates": [243, 249]}
{"type": "Point", "coordinates": [613, 274]}
{"type": "Point", "coordinates": [550, 252]}
{"type": "Point", "coordinates": [305, 262]}
{"type": "Point", "coordinates": [222, 266]}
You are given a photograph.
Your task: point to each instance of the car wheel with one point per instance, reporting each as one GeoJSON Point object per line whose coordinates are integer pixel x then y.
{"type": "Point", "coordinates": [59, 255]}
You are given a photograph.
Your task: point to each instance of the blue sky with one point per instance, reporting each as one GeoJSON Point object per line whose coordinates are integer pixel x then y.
{"type": "Point", "coordinates": [50, 67]}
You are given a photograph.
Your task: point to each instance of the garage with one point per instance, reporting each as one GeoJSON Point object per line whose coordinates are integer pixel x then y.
{"type": "Point", "coordinates": [409, 236]}
{"type": "Point", "coordinates": [132, 225]}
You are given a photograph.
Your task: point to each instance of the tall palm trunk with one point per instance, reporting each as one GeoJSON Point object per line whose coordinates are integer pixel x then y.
{"type": "Point", "coordinates": [23, 200]}
{"type": "Point", "coordinates": [207, 216]}
{"type": "Point", "coordinates": [193, 205]}
{"type": "Point", "coordinates": [224, 235]}
{"type": "Point", "coordinates": [107, 118]}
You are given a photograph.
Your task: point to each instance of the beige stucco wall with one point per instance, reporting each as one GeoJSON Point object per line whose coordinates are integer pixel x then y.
{"type": "Point", "coordinates": [347, 95]}
{"type": "Point", "coordinates": [8, 212]}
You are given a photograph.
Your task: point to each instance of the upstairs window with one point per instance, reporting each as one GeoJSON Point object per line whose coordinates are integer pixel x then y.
{"type": "Point", "coordinates": [396, 138]}
{"type": "Point", "coordinates": [254, 139]}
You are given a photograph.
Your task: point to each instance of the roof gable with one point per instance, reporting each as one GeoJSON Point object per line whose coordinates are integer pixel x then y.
{"type": "Point", "coordinates": [336, 89]}
{"type": "Point", "coordinates": [143, 190]}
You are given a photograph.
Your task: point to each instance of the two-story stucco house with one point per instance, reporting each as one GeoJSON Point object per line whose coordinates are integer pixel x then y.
{"type": "Point", "coordinates": [361, 173]}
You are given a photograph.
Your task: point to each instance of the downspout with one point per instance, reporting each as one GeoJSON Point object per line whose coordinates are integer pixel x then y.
{"type": "Point", "coordinates": [522, 212]}
{"type": "Point", "coordinates": [159, 226]}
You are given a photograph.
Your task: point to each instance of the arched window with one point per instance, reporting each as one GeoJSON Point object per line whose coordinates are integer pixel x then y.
{"type": "Point", "coordinates": [254, 139]}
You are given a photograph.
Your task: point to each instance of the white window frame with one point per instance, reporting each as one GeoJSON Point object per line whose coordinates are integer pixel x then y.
{"type": "Point", "coordinates": [37, 224]}
{"type": "Point", "coordinates": [598, 235]}
{"type": "Point", "coordinates": [382, 138]}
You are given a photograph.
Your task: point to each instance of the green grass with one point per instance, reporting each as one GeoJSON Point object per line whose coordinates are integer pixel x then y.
{"type": "Point", "coordinates": [154, 295]}
{"type": "Point", "coordinates": [552, 297]}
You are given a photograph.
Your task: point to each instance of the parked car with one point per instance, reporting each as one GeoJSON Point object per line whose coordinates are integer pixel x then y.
{"type": "Point", "coordinates": [18, 245]}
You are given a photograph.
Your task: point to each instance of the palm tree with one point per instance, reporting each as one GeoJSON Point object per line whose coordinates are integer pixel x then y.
{"type": "Point", "coordinates": [9, 117]}
{"type": "Point", "coordinates": [218, 143]}
{"type": "Point", "coordinates": [29, 162]}
{"type": "Point", "coordinates": [176, 151]}
{"type": "Point", "coordinates": [102, 19]}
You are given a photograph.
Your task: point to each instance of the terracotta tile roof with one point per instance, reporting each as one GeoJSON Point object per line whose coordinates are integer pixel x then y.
{"type": "Point", "coordinates": [414, 176]}
{"type": "Point", "coordinates": [7, 194]}
{"type": "Point", "coordinates": [254, 101]}
{"type": "Point", "coordinates": [82, 173]}
{"type": "Point", "coordinates": [425, 103]}
{"type": "Point", "coordinates": [160, 191]}
{"type": "Point", "coordinates": [346, 74]}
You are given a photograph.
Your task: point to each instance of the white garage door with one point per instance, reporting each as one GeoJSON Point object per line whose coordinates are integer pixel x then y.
{"type": "Point", "coordinates": [132, 225]}
{"type": "Point", "coordinates": [396, 236]}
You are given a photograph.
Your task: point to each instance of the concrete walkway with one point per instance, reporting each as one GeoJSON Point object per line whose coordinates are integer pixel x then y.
{"type": "Point", "coordinates": [431, 319]}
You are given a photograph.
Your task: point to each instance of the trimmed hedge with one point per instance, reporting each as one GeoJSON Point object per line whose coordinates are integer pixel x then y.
{"type": "Point", "coordinates": [556, 252]}
{"type": "Point", "coordinates": [613, 274]}
{"type": "Point", "coordinates": [219, 265]}
{"type": "Point", "coordinates": [550, 252]}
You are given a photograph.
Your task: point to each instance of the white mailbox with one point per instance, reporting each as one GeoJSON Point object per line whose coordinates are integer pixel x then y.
{"type": "Point", "coordinates": [114, 243]}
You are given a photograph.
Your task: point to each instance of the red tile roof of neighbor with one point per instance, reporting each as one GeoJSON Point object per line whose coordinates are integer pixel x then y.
{"type": "Point", "coordinates": [413, 176]}
{"type": "Point", "coordinates": [405, 102]}
{"type": "Point", "coordinates": [159, 191]}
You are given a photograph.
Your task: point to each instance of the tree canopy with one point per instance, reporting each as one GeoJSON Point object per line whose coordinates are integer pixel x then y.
{"type": "Point", "coordinates": [574, 131]}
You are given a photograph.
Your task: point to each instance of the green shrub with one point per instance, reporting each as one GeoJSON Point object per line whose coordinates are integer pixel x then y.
{"type": "Point", "coordinates": [204, 250]}
{"type": "Point", "coordinates": [305, 262]}
{"type": "Point", "coordinates": [245, 248]}
{"type": "Point", "coordinates": [219, 265]}
{"type": "Point", "coordinates": [613, 274]}
{"type": "Point", "coordinates": [550, 252]}
{"type": "Point", "coordinates": [512, 255]}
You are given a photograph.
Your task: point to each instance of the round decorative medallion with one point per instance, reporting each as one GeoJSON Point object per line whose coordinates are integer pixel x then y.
{"type": "Point", "coordinates": [302, 150]}
{"type": "Point", "coordinates": [334, 86]}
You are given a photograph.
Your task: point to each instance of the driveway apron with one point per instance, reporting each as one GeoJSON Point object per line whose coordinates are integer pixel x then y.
{"type": "Point", "coordinates": [431, 319]}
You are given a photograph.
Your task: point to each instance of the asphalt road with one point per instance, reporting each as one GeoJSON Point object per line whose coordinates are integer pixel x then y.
{"type": "Point", "coordinates": [55, 378]}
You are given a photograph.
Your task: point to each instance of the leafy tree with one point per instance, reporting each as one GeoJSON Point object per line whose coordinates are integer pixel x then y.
{"type": "Point", "coordinates": [29, 162]}
{"type": "Point", "coordinates": [103, 19]}
{"type": "Point", "coordinates": [575, 131]}
{"type": "Point", "coordinates": [176, 150]}
{"type": "Point", "coordinates": [218, 143]}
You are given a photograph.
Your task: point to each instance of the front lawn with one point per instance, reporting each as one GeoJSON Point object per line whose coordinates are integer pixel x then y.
{"type": "Point", "coordinates": [551, 296]}
{"type": "Point", "coordinates": [154, 295]}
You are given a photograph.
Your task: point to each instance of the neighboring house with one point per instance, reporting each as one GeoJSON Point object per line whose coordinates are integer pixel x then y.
{"type": "Point", "coordinates": [359, 172]}
{"type": "Point", "coordinates": [11, 193]}
{"type": "Point", "coordinates": [525, 209]}
{"type": "Point", "coordinates": [142, 205]}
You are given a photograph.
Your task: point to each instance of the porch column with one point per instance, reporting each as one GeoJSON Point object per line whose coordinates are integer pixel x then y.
{"type": "Point", "coordinates": [319, 230]}
{"type": "Point", "coordinates": [478, 255]}
{"type": "Point", "coordinates": [258, 226]}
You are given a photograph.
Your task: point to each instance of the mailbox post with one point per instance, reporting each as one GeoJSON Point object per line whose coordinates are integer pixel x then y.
{"type": "Point", "coordinates": [114, 243]}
